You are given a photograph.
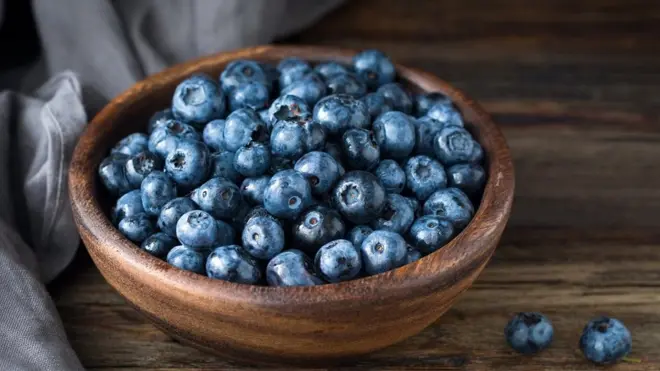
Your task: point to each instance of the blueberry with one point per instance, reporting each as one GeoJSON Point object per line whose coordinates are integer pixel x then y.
{"type": "Point", "coordinates": [395, 134]}
{"type": "Point", "coordinates": [429, 233]}
{"type": "Point", "coordinates": [329, 69]}
{"type": "Point", "coordinates": [188, 165]}
{"type": "Point", "coordinates": [446, 113]}
{"type": "Point", "coordinates": [376, 104]}
{"type": "Point", "coordinates": [334, 150]}
{"type": "Point", "coordinates": [166, 138]}
{"type": "Point", "coordinates": [310, 88]}
{"type": "Point", "coordinates": [157, 189]}
{"type": "Point", "coordinates": [112, 172]}
{"type": "Point", "coordinates": [358, 234]}
{"type": "Point", "coordinates": [374, 67]}
{"type": "Point", "coordinates": [383, 251]}
{"type": "Point", "coordinates": [397, 97]}
{"type": "Point", "coordinates": [214, 136]}
{"type": "Point", "coordinates": [159, 244]}
{"type": "Point", "coordinates": [291, 70]}
{"type": "Point", "coordinates": [132, 144]}
{"type": "Point", "coordinates": [426, 130]}
{"type": "Point", "coordinates": [231, 263]}
{"type": "Point", "coordinates": [172, 212]}
{"type": "Point", "coordinates": [469, 178]}
{"type": "Point", "coordinates": [197, 229]}
{"type": "Point", "coordinates": [128, 204]}
{"type": "Point", "coordinates": [397, 215]}
{"type": "Point", "coordinates": [241, 127]}
{"type": "Point", "coordinates": [222, 165]}
{"type": "Point", "coordinates": [159, 119]}
{"type": "Point", "coordinates": [263, 237]}
{"type": "Point", "coordinates": [265, 117]}
{"type": "Point", "coordinates": [287, 195]}
{"type": "Point", "coordinates": [360, 149]}
{"type": "Point", "coordinates": [529, 332]}
{"type": "Point", "coordinates": [338, 261]}
{"type": "Point", "coordinates": [424, 101]}
{"type": "Point", "coordinates": [414, 203]}
{"type": "Point", "coordinates": [137, 227]}
{"type": "Point", "coordinates": [187, 259]}
{"type": "Point", "coordinates": [451, 204]}
{"type": "Point", "coordinates": [314, 134]}
{"type": "Point", "coordinates": [254, 212]}
{"type": "Point", "coordinates": [477, 154]}
{"type": "Point", "coordinates": [321, 170]}
{"type": "Point", "coordinates": [253, 159]}
{"type": "Point", "coordinates": [242, 71]}
{"type": "Point", "coordinates": [219, 197]}
{"type": "Point", "coordinates": [198, 100]}
{"type": "Point", "coordinates": [250, 94]}
{"type": "Point", "coordinates": [346, 83]}
{"type": "Point", "coordinates": [338, 113]}
{"type": "Point", "coordinates": [359, 197]}
{"type": "Point", "coordinates": [288, 140]}
{"type": "Point", "coordinates": [291, 268]}
{"type": "Point", "coordinates": [278, 164]}
{"type": "Point", "coordinates": [317, 226]}
{"type": "Point", "coordinates": [424, 176]}
{"type": "Point", "coordinates": [253, 189]}
{"type": "Point", "coordinates": [141, 165]}
{"type": "Point", "coordinates": [391, 175]}
{"type": "Point", "coordinates": [412, 254]}
{"type": "Point", "coordinates": [453, 145]}
{"type": "Point", "coordinates": [288, 107]}
{"type": "Point", "coordinates": [605, 341]}
{"type": "Point", "coordinates": [226, 234]}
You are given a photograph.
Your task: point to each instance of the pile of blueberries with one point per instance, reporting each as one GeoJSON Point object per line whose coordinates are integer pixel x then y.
{"type": "Point", "coordinates": [296, 175]}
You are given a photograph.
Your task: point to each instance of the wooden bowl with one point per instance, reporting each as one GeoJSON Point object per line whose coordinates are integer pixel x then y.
{"type": "Point", "coordinates": [269, 324]}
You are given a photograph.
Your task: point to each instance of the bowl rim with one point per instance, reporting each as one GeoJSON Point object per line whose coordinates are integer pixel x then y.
{"type": "Point", "coordinates": [456, 260]}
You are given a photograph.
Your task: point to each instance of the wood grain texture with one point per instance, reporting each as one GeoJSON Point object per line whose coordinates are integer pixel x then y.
{"type": "Point", "coordinates": [573, 85]}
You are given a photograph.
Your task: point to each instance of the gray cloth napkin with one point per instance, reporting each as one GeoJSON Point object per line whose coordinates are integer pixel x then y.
{"type": "Point", "coordinates": [108, 45]}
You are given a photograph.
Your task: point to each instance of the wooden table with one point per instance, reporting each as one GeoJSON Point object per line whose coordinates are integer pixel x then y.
{"type": "Point", "coordinates": [575, 87]}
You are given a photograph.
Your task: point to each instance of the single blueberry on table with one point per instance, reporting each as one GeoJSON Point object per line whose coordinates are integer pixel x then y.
{"type": "Point", "coordinates": [397, 97]}
{"type": "Point", "coordinates": [252, 189]}
{"type": "Point", "coordinates": [278, 164]}
{"type": "Point", "coordinates": [334, 150]}
{"type": "Point", "coordinates": [198, 100]}
{"type": "Point", "coordinates": [243, 126]}
{"type": "Point", "coordinates": [376, 104]}
{"type": "Point", "coordinates": [291, 70]}
{"type": "Point", "coordinates": [218, 197]}
{"type": "Point", "coordinates": [137, 227]}
{"type": "Point", "coordinates": [253, 159]}
{"type": "Point", "coordinates": [424, 176]}
{"type": "Point", "coordinates": [346, 83]}
{"type": "Point", "coordinates": [157, 189]}
{"type": "Point", "coordinates": [426, 129]}
{"type": "Point", "coordinates": [226, 234]}
{"type": "Point", "coordinates": [338, 261]}
{"type": "Point", "coordinates": [374, 67]}
{"type": "Point", "coordinates": [429, 233]}
{"type": "Point", "coordinates": [317, 226]}
{"type": "Point", "coordinates": [340, 112]}
{"type": "Point", "coordinates": [451, 204]}
{"type": "Point", "coordinates": [112, 172]}
{"type": "Point", "coordinates": [231, 263]}
{"type": "Point", "coordinates": [128, 204]}
{"type": "Point", "coordinates": [529, 332]}
{"type": "Point", "coordinates": [395, 134]}
{"type": "Point", "coordinates": [288, 107]}
{"type": "Point", "coordinates": [188, 165]}
{"type": "Point", "coordinates": [159, 119]}
{"type": "Point", "coordinates": [358, 234]}
{"type": "Point", "coordinates": [159, 244]}
{"type": "Point", "coordinates": [453, 145]}
{"type": "Point", "coordinates": [166, 138]}
{"type": "Point", "coordinates": [359, 197]}
{"type": "Point", "coordinates": [397, 215]}
{"type": "Point", "coordinates": [329, 69]}
{"type": "Point", "coordinates": [172, 211]}
{"type": "Point", "coordinates": [605, 341]}
{"type": "Point", "coordinates": [242, 71]}
{"type": "Point", "coordinates": [222, 165]}
{"type": "Point", "coordinates": [446, 113]}
{"type": "Point", "coordinates": [424, 101]}
{"type": "Point", "coordinates": [188, 259]}
{"type": "Point", "coordinates": [141, 165]}
{"type": "Point", "coordinates": [250, 94]}
{"type": "Point", "coordinates": [391, 175]}
{"type": "Point", "coordinates": [469, 178]}
{"type": "Point", "coordinates": [311, 88]}
{"type": "Point", "coordinates": [321, 170]}
{"type": "Point", "coordinates": [288, 140]}
{"type": "Point", "coordinates": [360, 149]}
{"type": "Point", "coordinates": [412, 254]}
{"type": "Point", "coordinates": [214, 135]}
{"type": "Point", "coordinates": [292, 268]}
{"type": "Point", "coordinates": [263, 237]}
{"type": "Point", "coordinates": [383, 251]}
{"type": "Point", "coordinates": [132, 144]}
{"type": "Point", "coordinates": [197, 229]}
{"type": "Point", "coordinates": [287, 195]}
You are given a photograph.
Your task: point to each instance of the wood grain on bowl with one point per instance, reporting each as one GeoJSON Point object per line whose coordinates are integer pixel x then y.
{"type": "Point", "coordinates": [269, 324]}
